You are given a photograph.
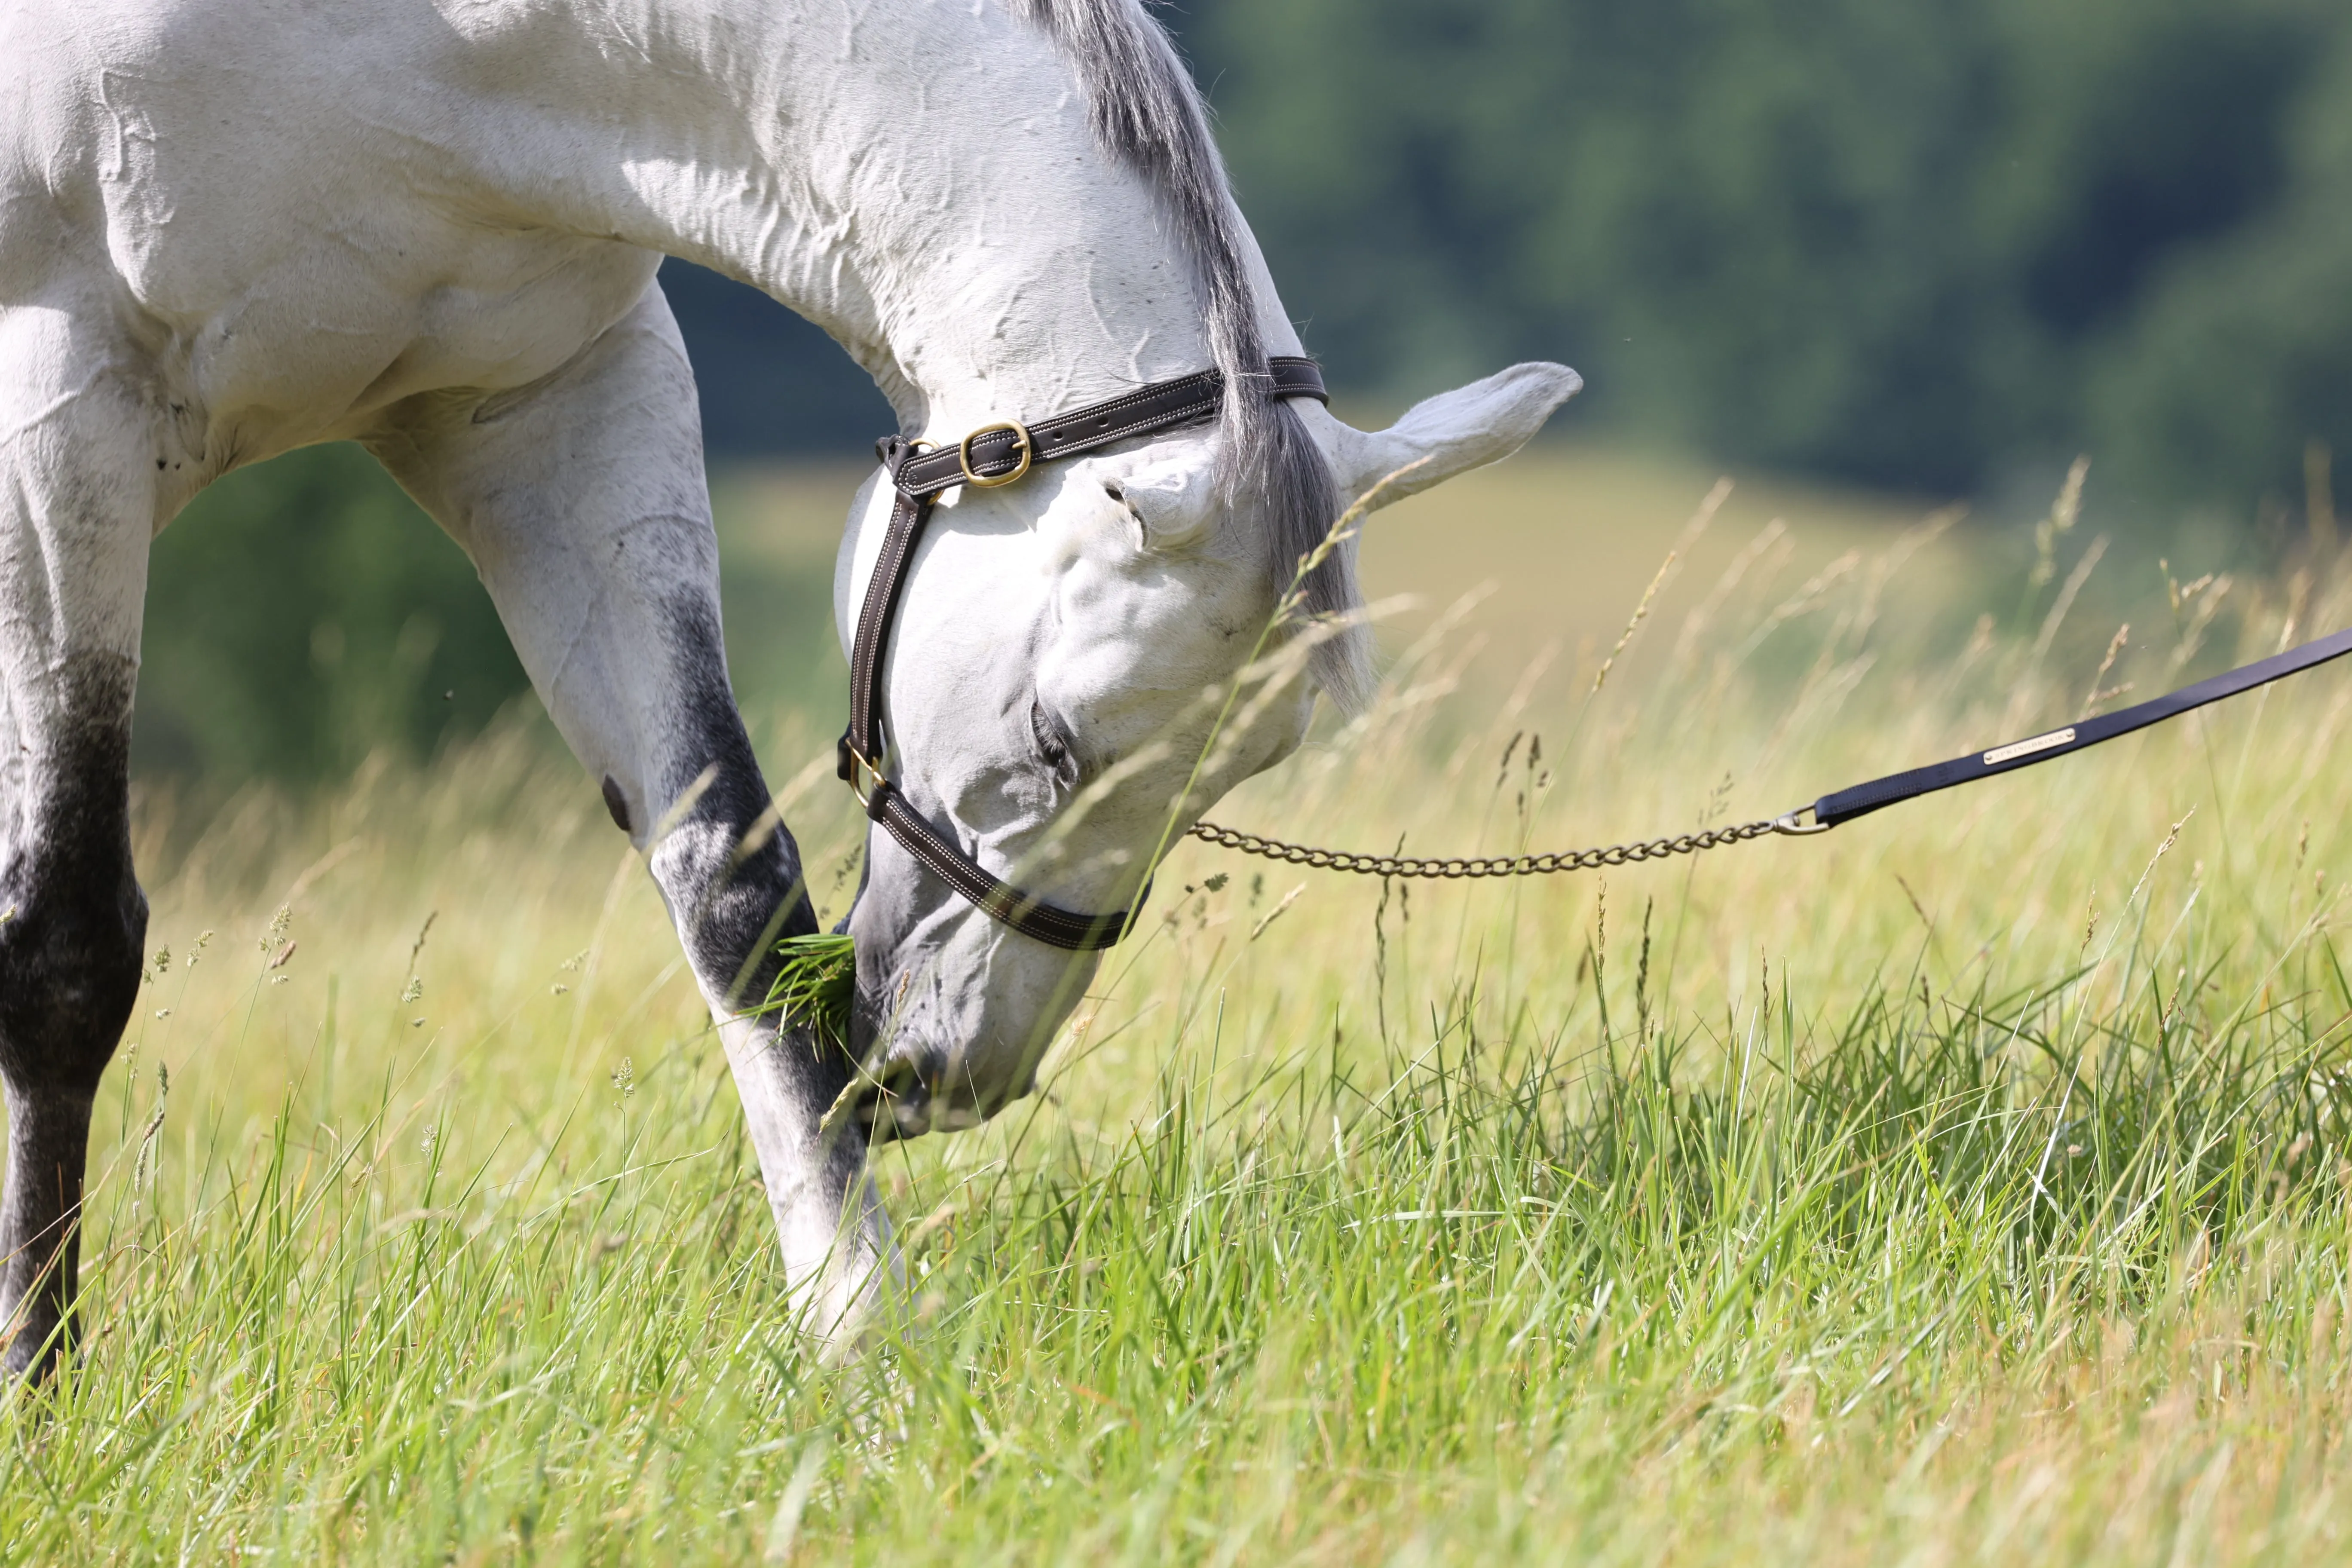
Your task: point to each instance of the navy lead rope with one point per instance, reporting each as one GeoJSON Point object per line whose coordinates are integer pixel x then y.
{"type": "Point", "coordinates": [1862, 799]}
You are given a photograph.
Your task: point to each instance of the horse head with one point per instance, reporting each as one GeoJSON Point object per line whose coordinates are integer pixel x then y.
{"type": "Point", "coordinates": [1082, 663]}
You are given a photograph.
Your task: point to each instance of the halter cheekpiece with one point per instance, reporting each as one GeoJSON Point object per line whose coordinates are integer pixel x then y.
{"type": "Point", "coordinates": [990, 457]}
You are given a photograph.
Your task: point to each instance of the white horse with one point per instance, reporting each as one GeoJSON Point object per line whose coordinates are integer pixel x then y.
{"type": "Point", "coordinates": [232, 228]}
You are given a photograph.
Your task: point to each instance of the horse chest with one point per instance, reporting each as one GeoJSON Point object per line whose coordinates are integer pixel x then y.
{"type": "Point", "coordinates": [293, 232]}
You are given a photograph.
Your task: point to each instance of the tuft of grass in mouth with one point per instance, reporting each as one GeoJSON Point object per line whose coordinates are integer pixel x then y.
{"type": "Point", "coordinates": [816, 977]}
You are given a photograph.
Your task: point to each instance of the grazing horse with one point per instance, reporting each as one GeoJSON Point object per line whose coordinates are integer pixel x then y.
{"type": "Point", "coordinates": [233, 227]}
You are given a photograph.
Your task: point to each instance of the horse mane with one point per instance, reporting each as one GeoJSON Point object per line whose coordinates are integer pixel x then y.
{"type": "Point", "coordinates": [1149, 114]}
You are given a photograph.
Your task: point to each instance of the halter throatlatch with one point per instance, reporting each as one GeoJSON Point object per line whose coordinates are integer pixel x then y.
{"type": "Point", "coordinates": [993, 455]}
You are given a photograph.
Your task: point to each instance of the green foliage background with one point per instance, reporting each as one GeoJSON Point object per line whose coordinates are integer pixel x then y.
{"type": "Point", "coordinates": [1925, 245]}
{"type": "Point", "coordinates": [304, 612]}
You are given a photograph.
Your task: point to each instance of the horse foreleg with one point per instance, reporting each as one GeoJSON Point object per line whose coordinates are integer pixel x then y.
{"type": "Point", "coordinates": [582, 503]}
{"type": "Point", "coordinates": [77, 510]}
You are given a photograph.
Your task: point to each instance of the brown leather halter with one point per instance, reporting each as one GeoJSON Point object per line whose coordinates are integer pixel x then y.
{"type": "Point", "coordinates": [993, 455]}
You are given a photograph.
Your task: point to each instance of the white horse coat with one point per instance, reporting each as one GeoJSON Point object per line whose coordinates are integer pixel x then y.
{"type": "Point", "coordinates": [232, 228]}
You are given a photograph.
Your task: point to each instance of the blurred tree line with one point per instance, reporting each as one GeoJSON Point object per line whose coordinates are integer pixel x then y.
{"type": "Point", "coordinates": [1938, 246]}
{"type": "Point", "coordinates": [1913, 244]}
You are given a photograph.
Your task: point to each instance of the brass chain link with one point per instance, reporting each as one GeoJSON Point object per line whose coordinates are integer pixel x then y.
{"type": "Point", "coordinates": [1493, 865]}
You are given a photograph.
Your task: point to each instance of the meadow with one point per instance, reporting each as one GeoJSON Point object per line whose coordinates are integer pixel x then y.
{"type": "Point", "coordinates": [1967, 1184]}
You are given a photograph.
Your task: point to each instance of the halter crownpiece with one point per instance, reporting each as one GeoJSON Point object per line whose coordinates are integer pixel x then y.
{"type": "Point", "coordinates": [993, 455]}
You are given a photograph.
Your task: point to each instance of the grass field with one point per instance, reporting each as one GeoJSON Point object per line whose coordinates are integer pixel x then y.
{"type": "Point", "coordinates": [1969, 1184]}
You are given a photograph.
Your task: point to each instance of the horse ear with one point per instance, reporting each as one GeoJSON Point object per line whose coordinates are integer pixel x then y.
{"type": "Point", "coordinates": [1466, 428]}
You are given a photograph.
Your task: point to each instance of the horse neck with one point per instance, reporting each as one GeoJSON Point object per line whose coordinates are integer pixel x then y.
{"type": "Point", "coordinates": [918, 178]}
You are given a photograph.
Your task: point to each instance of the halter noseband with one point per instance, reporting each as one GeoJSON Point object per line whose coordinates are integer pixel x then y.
{"type": "Point", "coordinates": [993, 455]}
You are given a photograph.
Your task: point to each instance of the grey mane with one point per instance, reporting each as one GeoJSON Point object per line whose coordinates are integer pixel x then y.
{"type": "Point", "coordinates": [1149, 114]}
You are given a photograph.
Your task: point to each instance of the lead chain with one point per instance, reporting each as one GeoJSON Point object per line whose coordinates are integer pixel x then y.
{"type": "Point", "coordinates": [1488, 865]}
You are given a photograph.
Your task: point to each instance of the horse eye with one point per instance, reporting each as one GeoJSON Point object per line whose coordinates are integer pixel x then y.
{"type": "Point", "coordinates": [1053, 746]}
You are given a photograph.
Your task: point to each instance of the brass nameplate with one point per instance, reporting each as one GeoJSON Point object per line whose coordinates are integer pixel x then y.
{"type": "Point", "coordinates": [2017, 749]}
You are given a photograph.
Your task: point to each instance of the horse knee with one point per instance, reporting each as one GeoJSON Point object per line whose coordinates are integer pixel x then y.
{"type": "Point", "coordinates": [68, 979]}
{"type": "Point", "coordinates": [732, 890]}
{"type": "Point", "coordinates": [73, 923]}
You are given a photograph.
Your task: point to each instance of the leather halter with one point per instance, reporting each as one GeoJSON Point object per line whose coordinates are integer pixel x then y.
{"type": "Point", "coordinates": [992, 455]}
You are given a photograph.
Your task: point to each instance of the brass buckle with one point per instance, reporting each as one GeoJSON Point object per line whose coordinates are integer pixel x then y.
{"type": "Point", "coordinates": [854, 761]}
{"type": "Point", "coordinates": [1787, 823]}
{"type": "Point", "coordinates": [1027, 447]}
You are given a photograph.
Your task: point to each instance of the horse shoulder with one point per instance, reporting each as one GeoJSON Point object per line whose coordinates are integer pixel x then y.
{"type": "Point", "coordinates": [288, 230]}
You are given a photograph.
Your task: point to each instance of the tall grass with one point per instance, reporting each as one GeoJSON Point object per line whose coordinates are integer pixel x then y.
{"type": "Point", "coordinates": [1967, 1184]}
